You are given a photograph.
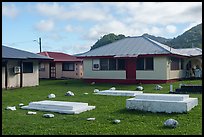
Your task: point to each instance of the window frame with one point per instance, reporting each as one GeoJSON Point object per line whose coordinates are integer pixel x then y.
{"type": "Point", "coordinates": [27, 65]}
{"type": "Point", "coordinates": [174, 66]}
{"type": "Point", "coordinates": [108, 64]}
{"type": "Point", "coordinates": [137, 61]}
{"type": "Point", "coordinates": [151, 69]}
{"type": "Point", "coordinates": [145, 64]}
{"type": "Point", "coordinates": [40, 66]}
{"type": "Point", "coordinates": [65, 63]}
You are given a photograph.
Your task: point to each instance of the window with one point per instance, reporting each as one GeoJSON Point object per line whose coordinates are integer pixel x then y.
{"type": "Point", "coordinates": [108, 64]}
{"type": "Point", "coordinates": [95, 65]}
{"type": "Point", "coordinates": [174, 63]}
{"type": "Point", "coordinates": [182, 61]}
{"type": "Point", "coordinates": [42, 67]}
{"type": "Point", "coordinates": [67, 66]}
{"type": "Point", "coordinates": [149, 65]}
{"type": "Point", "coordinates": [140, 64]}
{"type": "Point", "coordinates": [27, 67]}
{"type": "Point", "coordinates": [145, 63]}
{"type": "Point", "coordinates": [104, 64]}
{"type": "Point", "coordinates": [112, 64]}
{"type": "Point", "coordinates": [121, 64]}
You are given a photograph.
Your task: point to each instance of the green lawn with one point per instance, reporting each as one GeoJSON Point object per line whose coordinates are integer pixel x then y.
{"type": "Point", "coordinates": [107, 109]}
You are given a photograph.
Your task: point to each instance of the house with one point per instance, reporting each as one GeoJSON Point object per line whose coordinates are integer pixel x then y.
{"type": "Point", "coordinates": [63, 66]}
{"type": "Point", "coordinates": [20, 68]}
{"type": "Point", "coordinates": [139, 60]}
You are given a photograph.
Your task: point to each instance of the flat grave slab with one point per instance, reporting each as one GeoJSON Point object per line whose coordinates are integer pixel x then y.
{"type": "Point", "coordinates": [119, 92]}
{"type": "Point", "coordinates": [168, 103]}
{"type": "Point", "coordinates": [59, 106]}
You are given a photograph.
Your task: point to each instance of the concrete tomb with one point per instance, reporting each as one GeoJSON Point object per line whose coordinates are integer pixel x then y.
{"type": "Point", "coordinates": [119, 92]}
{"type": "Point", "coordinates": [59, 106]}
{"type": "Point", "coordinates": [167, 103]}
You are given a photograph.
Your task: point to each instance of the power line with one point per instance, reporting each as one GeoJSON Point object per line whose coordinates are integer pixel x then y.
{"type": "Point", "coordinates": [17, 42]}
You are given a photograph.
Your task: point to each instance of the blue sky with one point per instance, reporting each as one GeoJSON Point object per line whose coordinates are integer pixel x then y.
{"type": "Point", "coordinates": [73, 27]}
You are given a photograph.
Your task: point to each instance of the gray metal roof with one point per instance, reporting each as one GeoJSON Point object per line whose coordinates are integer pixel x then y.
{"type": "Point", "coordinates": [182, 51]}
{"type": "Point", "coordinates": [12, 53]}
{"type": "Point", "coordinates": [134, 46]}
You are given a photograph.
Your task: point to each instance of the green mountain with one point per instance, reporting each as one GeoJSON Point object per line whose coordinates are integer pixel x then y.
{"type": "Point", "coordinates": [190, 38]}
{"type": "Point", "coordinates": [106, 39]}
{"type": "Point", "coordinates": [159, 39]}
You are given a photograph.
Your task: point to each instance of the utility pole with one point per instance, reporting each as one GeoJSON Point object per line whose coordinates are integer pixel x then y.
{"type": "Point", "coordinates": [40, 44]}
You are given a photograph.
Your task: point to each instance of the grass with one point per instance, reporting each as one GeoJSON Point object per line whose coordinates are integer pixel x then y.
{"type": "Point", "coordinates": [107, 109]}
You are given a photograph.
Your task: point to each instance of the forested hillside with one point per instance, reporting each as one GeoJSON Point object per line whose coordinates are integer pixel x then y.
{"type": "Point", "coordinates": [190, 38]}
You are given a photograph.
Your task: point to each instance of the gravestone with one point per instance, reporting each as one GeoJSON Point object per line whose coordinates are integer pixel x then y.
{"type": "Point", "coordinates": [167, 103]}
{"type": "Point", "coordinates": [59, 106]}
{"type": "Point", "coordinates": [119, 92]}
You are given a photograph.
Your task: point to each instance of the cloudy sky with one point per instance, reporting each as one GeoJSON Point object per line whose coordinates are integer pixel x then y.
{"type": "Point", "coordinates": [73, 27]}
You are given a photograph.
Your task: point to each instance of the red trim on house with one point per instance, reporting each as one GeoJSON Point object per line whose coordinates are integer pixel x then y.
{"type": "Point", "coordinates": [130, 81]}
{"type": "Point", "coordinates": [60, 57]}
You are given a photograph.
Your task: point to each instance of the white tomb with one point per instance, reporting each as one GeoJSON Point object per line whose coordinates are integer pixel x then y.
{"type": "Point", "coordinates": [59, 106]}
{"type": "Point", "coordinates": [167, 103]}
{"type": "Point", "coordinates": [119, 92]}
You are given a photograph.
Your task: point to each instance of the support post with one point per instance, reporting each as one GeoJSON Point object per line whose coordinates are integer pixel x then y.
{"type": "Point", "coordinates": [21, 73]}
{"type": "Point", "coordinates": [6, 75]}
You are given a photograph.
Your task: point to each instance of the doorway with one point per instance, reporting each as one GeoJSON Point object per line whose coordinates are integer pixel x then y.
{"type": "Point", "coordinates": [130, 66]}
{"type": "Point", "coordinates": [52, 70]}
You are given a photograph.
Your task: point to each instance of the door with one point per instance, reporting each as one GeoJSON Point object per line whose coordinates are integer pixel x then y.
{"type": "Point", "coordinates": [52, 70]}
{"type": "Point", "coordinates": [130, 66]}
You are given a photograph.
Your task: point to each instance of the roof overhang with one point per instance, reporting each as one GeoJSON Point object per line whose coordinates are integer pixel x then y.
{"type": "Point", "coordinates": [28, 59]}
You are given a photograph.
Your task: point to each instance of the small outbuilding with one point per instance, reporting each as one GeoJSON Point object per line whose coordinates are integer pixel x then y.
{"type": "Point", "coordinates": [20, 68]}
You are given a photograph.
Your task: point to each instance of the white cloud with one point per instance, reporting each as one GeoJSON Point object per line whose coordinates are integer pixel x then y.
{"type": "Point", "coordinates": [155, 31]}
{"type": "Point", "coordinates": [79, 11]}
{"type": "Point", "coordinates": [45, 25]}
{"type": "Point", "coordinates": [113, 26]}
{"type": "Point", "coordinates": [50, 9]}
{"type": "Point", "coordinates": [68, 28]}
{"type": "Point", "coordinates": [171, 29]}
{"type": "Point", "coordinates": [9, 11]}
{"type": "Point", "coordinates": [163, 13]}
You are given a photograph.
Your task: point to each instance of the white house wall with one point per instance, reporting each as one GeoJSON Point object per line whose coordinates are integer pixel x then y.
{"type": "Point", "coordinates": [46, 72]}
{"type": "Point", "coordinates": [98, 74]}
{"type": "Point", "coordinates": [13, 79]}
{"type": "Point", "coordinates": [3, 77]}
{"type": "Point", "coordinates": [159, 72]}
{"type": "Point", "coordinates": [29, 79]}
{"type": "Point", "coordinates": [77, 73]}
{"type": "Point", "coordinates": [32, 79]}
{"type": "Point", "coordinates": [174, 74]}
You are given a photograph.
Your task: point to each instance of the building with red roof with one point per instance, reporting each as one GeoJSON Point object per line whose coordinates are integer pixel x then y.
{"type": "Point", "coordinates": [63, 66]}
